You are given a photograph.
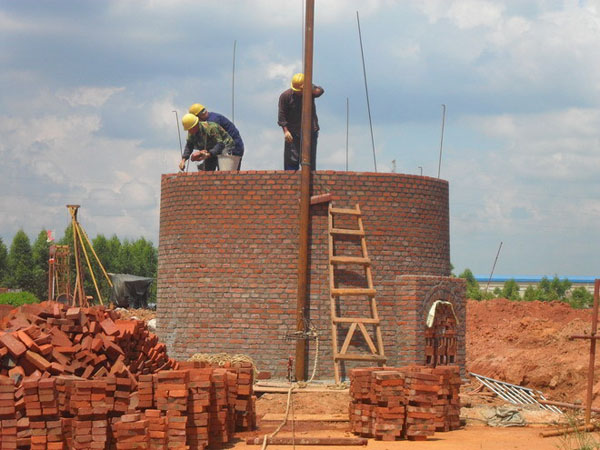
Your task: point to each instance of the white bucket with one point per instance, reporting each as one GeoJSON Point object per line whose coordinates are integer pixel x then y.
{"type": "Point", "coordinates": [228, 162]}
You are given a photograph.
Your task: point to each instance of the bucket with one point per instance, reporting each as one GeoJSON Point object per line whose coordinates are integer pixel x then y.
{"type": "Point", "coordinates": [228, 162]}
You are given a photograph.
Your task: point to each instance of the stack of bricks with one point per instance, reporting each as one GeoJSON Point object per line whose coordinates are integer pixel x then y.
{"type": "Point", "coordinates": [389, 400]}
{"type": "Point", "coordinates": [361, 406]}
{"type": "Point", "coordinates": [221, 415]}
{"type": "Point", "coordinates": [421, 393]}
{"type": "Point", "coordinates": [131, 432]}
{"type": "Point", "coordinates": [41, 406]}
{"type": "Point", "coordinates": [157, 429]}
{"type": "Point", "coordinates": [171, 392]}
{"type": "Point", "coordinates": [118, 389]}
{"type": "Point", "coordinates": [411, 402]}
{"type": "Point", "coordinates": [89, 428]}
{"type": "Point", "coordinates": [145, 392]}
{"type": "Point", "coordinates": [447, 405]}
{"type": "Point", "coordinates": [245, 409]}
{"type": "Point", "coordinates": [200, 388]}
{"type": "Point", "coordinates": [8, 422]}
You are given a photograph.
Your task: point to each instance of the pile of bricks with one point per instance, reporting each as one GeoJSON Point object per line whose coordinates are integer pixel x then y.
{"type": "Point", "coordinates": [82, 378]}
{"type": "Point", "coordinates": [408, 402]}
{"type": "Point", "coordinates": [51, 338]}
{"type": "Point", "coordinates": [41, 406]}
{"type": "Point", "coordinates": [131, 431]}
{"type": "Point", "coordinates": [8, 422]}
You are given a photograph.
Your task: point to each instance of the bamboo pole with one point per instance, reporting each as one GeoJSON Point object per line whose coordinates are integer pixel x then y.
{"type": "Point", "coordinates": [89, 264]}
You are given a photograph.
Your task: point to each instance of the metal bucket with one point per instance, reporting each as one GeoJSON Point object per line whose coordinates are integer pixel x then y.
{"type": "Point", "coordinates": [228, 162]}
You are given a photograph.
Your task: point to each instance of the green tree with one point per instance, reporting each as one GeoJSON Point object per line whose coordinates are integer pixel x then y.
{"type": "Point", "coordinates": [552, 290]}
{"type": "Point", "coordinates": [473, 290]}
{"type": "Point", "coordinates": [510, 290]}
{"type": "Point", "coordinates": [531, 294]}
{"type": "Point", "coordinates": [20, 263]}
{"type": "Point", "coordinates": [3, 261]}
{"type": "Point", "coordinates": [40, 254]}
{"type": "Point", "coordinates": [581, 298]}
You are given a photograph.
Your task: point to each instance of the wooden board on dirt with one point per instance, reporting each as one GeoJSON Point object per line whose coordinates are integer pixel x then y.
{"type": "Point", "coordinates": [272, 417]}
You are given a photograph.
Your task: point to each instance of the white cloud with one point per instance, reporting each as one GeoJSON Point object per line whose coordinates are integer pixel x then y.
{"type": "Point", "coordinates": [88, 96]}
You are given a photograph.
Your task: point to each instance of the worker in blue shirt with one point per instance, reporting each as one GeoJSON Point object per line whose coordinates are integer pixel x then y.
{"type": "Point", "coordinates": [202, 113]}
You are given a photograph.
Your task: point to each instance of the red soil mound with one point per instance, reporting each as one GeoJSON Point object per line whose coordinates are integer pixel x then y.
{"type": "Point", "coordinates": [527, 343]}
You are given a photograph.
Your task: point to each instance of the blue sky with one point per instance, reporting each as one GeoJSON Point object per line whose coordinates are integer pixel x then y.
{"type": "Point", "coordinates": [88, 90]}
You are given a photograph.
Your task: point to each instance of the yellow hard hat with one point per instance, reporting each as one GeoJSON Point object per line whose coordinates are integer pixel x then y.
{"type": "Point", "coordinates": [189, 121]}
{"type": "Point", "coordinates": [298, 82]}
{"type": "Point", "coordinates": [196, 109]}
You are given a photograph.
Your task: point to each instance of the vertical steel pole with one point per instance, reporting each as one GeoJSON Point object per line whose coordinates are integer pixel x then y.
{"type": "Point", "coordinates": [347, 128]}
{"type": "Point", "coordinates": [362, 54]}
{"type": "Point", "coordinates": [305, 185]}
{"type": "Point", "coordinates": [233, 86]}
{"type": "Point", "coordinates": [442, 138]}
{"type": "Point", "coordinates": [590, 381]}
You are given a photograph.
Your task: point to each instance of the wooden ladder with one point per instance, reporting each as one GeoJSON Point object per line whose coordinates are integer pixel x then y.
{"type": "Point", "coordinates": [336, 293]}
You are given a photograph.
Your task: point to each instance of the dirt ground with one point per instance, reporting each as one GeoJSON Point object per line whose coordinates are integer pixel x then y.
{"type": "Point", "coordinates": [475, 435]}
{"type": "Point", "coordinates": [527, 343]}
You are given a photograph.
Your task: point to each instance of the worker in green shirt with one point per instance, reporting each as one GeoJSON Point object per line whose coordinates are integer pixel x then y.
{"type": "Point", "coordinates": [205, 141]}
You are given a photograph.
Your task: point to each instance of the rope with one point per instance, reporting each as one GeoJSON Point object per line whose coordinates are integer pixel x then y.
{"type": "Point", "coordinates": [300, 384]}
{"type": "Point", "coordinates": [282, 424]}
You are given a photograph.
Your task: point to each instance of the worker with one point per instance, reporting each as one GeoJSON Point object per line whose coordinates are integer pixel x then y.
{"type": "Point", "coordinates": [205, 141]}
{"type": "Point", "coordinates": [290, 120]}
{"type": "Point", "coordinates": [199, 110]}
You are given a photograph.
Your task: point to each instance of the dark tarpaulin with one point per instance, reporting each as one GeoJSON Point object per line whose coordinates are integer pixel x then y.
{"type": "Point", "coordinates": [130, 291]}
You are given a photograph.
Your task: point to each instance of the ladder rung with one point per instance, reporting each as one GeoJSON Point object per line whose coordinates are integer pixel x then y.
{"type": "Point", "coordinates": [350, 260]}
{"type": "Point", "coordinates": [355, 320]}
{"type": "Point", "coordinates": [353, 212]}
{"type": "Point", "coordinates": [336, 292]}
{"type": "Point", "coordinates": [358, 357]}
{"type": "Point", "coordinates": [347, 232]}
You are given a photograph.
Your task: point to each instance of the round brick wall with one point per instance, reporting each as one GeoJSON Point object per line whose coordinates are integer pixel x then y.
{"type": "Point", "coordinates": [228, 255]}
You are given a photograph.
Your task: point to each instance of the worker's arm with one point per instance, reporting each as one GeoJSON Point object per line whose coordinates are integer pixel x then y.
{"type": "Point", "coordinates": [189, 148]}
{"type": "Point", "coordinates": [282, 119]}
{"type": "Point", "coordinates": [317, 91]}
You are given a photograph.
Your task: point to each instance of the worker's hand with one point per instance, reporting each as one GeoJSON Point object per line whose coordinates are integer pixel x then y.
{"type": "Point", "coordinates": [200, 155]}
{"type": "Point", "coordinates": [288, 136]}
{"type": "Point", "coordinates": [182, 164]}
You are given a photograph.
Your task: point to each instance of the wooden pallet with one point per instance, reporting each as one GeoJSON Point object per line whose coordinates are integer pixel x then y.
{"type": "Point", "coordinates": [337, 294]}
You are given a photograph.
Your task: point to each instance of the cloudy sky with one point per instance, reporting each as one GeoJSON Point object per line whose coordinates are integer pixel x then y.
{"type": "Point", "coordinates": [88, 90]}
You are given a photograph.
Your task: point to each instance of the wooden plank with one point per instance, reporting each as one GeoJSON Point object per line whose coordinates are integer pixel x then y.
{"type": "Point", "coordinates": [355, 320]}
{"type": "Point", "coordinates": [350, 260]}
{"type": "Point", "coordinates": [347, 232]}
{"type": "Point", "coordinates": [272, 417]}
{"type": "Point", "coordinates": [323, 198]}
{"type": "Point", "coordinates": [352, 212]}
{"type": "Point", "coordinates": [307, 440]}
{"type": "Point", "coordinates": [353, 291]}
{"type": "Point", "coordinates": [348, 338]}
{"type": "Point", "coordinates": [358, 357]}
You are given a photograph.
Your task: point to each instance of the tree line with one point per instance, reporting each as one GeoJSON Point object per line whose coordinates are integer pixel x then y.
{"type": "Point", "coordinates": [25, 265]}
{"type": "Point", "coordinates": [547, 290]}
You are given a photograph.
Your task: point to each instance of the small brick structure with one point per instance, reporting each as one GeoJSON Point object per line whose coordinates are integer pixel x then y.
{"type": "Point", "coordinates": [228, 256]}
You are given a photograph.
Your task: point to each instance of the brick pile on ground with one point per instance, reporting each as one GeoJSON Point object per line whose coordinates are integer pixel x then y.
{"type": "Point", "coordinates": [195, 408]}
{"type": "Point", "coordinates": [408, 402]}
{"type": "Point", "coordinates": [8, 421]}
{"type": "Point", "coordinates": [87, 342]}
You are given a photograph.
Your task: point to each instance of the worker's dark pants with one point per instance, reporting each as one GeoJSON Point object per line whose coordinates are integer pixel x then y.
{"type": "Point", "coordinates": [292, 151]}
